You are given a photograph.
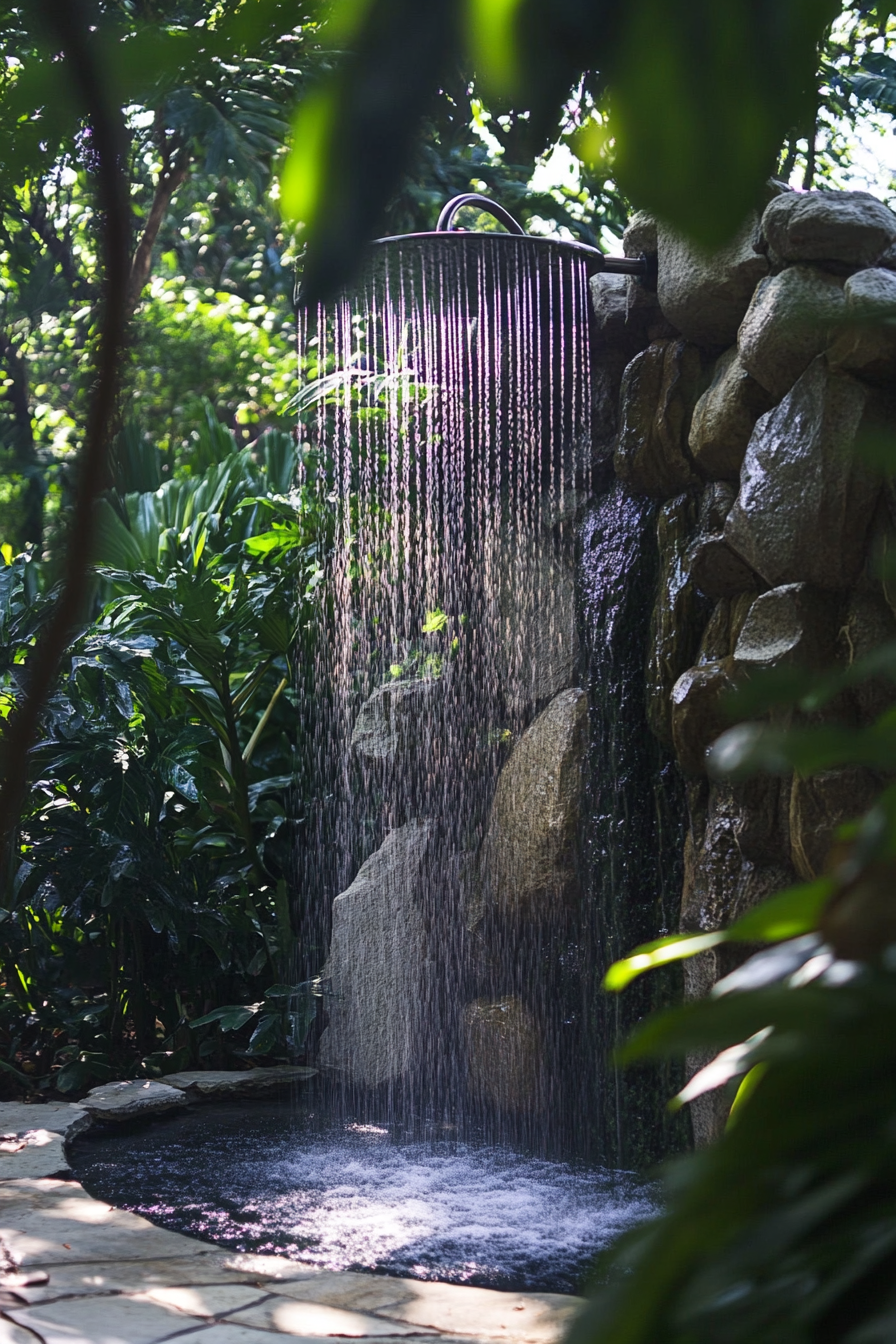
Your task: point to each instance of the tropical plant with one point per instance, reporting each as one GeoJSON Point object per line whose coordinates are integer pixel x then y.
{"type": "Point", "coordinates": [152, 867]}
{"type": "Point", "coordinates": [785, 1228]}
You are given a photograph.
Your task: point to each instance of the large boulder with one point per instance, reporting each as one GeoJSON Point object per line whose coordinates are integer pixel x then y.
{"type": "Point", "coordinates": [793, 318]}
{"type": "Point", "coordinates": [821, 804]}
{"type": "Point", "coordinates": [851, 228]}
{"type": "Point", "coordinates": [699, 712]}
{"type": "Point", "coordinates": [719, 886]}
{"type": "Point", "coordinates": [641, 236]}
{"type": "Point", "coordinates": [624, 312]}
{"type": "Point", "coordinates": [725, 416]}
{"type": "Point", "coordinates": [504, 1053]}
{"type": "Point", "coordinates": [396, 718]}
{"type": "Point", "coordinates": [805, 502]}
{"type": "Point", "coordinates": [660, 388]}
{"type": "Point", "coordinates": [867, 344]}
{"type": "Point", "coordinates": [762, 828]}
{"type": "Point", "coordinates": [678, 612]}
{"type": "Point", "coordinates": [793, 625]}
{"type": "Point", "coordinates": [529, 854]}
{"type": "Point", "coordinates": [705, 295]}
{"type": "Point", "coordinates": [374, 974]}
{"type": "Point", "coordinates": [717, 570]}
{"type": "Point", "coordinates": [868, 623]}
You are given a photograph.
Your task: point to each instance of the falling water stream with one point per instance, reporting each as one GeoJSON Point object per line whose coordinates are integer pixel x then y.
{"type": "Point", "coordinates": [466, 1123]}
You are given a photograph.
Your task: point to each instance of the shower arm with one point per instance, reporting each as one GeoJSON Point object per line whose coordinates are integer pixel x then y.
{"type": "Point", "coordinates": [642, 266]}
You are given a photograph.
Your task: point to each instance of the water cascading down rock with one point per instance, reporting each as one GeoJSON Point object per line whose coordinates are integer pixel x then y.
{"type": "Point", "coordinates": [465, 435]}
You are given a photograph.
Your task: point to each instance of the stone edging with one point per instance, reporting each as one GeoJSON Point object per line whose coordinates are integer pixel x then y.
{"type": "Point", "coordinates": [76, 1271]}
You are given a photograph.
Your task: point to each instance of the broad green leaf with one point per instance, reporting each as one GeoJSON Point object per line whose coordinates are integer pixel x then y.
{"type": "Point", "coordinates": [783, 916]}
{"type": "Point", "coordinates": [649, 956]}
{"type": "Point", "coordinates": [719, 1023]}
{"type": "Point", "coordinates": [492, 38]}
{"type": "Point", "coordinates": [115, 545]}
{"type": "Point", "coordinates": [180, 779]}
{"type": "Point", "coordinates": [687, 148]}
{"type": "Point", "coordinates": [230, 1018]}
{"type": "Point", "coordinates": [303, 175]}
{"type": "Point", "coordinates": [267, 1036]}
{"type": "Point", "coordinates": [746, 1089]}
{"type": "Point", "coordinates": [786, 915]}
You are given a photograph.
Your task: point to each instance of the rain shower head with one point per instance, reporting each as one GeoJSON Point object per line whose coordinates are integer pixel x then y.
{"type": "Point", "coordinates": [597, 261]}
{"type": "Point", "coordinates": [545, 252]}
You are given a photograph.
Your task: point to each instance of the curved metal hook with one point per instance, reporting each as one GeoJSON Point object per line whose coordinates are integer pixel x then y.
{"type": "Point", "coordinates": [446, 218]}
{"type": "Point", "coordinates": [643, 267]}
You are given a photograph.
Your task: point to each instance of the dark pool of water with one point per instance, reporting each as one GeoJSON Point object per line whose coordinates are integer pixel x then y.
{"type": "Point", "coordinates": [268, 1178]}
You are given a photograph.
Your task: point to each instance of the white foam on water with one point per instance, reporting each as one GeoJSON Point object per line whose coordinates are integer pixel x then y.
{"type": "Point", "coordinates": [348, 1196]}
{"type": "Point", "coordinates": [464, 1214]}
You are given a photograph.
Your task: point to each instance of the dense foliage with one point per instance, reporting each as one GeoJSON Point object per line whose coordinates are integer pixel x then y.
{"type": "Point", "coordinates": [148, 902]}
{"type": "Point", "coordinates": [151, 879]}
{"type": "Point", "coordinates": [785, 1228]}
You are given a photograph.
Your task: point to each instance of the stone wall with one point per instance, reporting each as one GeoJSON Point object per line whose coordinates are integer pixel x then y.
{"type": "Point", "coordinates": [752, 375]}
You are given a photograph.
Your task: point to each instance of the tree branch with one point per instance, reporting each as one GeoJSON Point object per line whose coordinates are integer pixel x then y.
{"type": "Point", "coordinates": [69, 26]}
{"type": "Point", "coordinates": [58, 248]}
{"type": "Point", "coordinates": [167, 185]}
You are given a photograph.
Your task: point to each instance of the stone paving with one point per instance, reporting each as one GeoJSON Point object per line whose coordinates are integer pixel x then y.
{"type": "Point", "coordinates": [74, 1270]}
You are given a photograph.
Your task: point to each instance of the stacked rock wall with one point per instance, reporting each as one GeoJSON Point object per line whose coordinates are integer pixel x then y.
{"type": "Point", "coordinates": [753, 375]}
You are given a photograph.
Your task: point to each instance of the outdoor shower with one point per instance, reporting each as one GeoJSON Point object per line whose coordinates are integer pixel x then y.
{"type": "Point", "coordinates": [487, 817]}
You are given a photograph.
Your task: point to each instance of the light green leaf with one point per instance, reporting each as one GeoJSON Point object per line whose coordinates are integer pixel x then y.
{"type": "Point", "coordinates": [434, 622]}
{"type": "Point", "coordinates": [783, 916]}
{"type": "Point", "coordinates": [650, 955]}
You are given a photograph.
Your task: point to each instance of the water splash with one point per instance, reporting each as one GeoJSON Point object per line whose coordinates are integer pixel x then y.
{"type": "Point", "coordinates": [448, 403]}
{"type": "Point", "coordinates": [343, 1196]}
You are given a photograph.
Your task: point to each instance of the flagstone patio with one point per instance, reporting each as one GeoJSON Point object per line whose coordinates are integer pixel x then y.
{"type": "Point", "coordinates": [74, 1270]}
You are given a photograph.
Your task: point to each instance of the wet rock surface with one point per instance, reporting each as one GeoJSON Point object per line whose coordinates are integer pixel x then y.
{"type": "Point", "coordinates": [131, 1100]}
{"type": "Point", "coordinates": [392, 719]}
{"type": "Point", "coordinates": [725, 416]}
{"type": "Point", "coordinates": [660, 388]}
{"type": "Point", "coordinates": [678, 612]}
{"type": "Point", "coordinates": [624, 312]}
{"type": "Point", "coordinates": [866, 346]}
{"type": "Point", "coordinates": [699, 712]}
{"type": "Point", "coordinates": [867, 623]}
{"type": "Point", "coordinates": [762, 829]}
{"type": "Point", "coordinates": [504, 1053]}
{"type": "Point", "coordinates": [373, 977]}
{"type": "Point", "coordinates": [787, 574]}
{"type": "Point", "coordinates": [717, 570]}
{"type": "Point", "coordinates": [529, 855]}
{"type": "Point", "coordinates": [805, 501]}
{"type": "Point", "coordinates": [850, 227]}
{"type": "Point", "coordinates": [792, 319]}
{"type": "Point", "coordinates": [705, 295]}
{"type": "Point", "coordinates": [818, 806]}
{"type": "Point", "coordinates": [791, 625]}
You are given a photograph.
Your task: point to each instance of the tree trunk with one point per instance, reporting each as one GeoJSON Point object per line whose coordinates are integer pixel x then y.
{"type": "Point", "coordinates": [30, 530]}
{"type": "Point", "coordinates": [167, 185]}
